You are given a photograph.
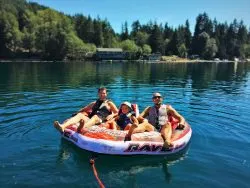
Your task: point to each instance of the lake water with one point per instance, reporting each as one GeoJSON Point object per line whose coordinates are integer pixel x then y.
{"type": "Point", "coordinates": [213, 97]}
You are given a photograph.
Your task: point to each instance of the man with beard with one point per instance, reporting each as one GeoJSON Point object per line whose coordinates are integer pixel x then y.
{"type": "Point", "coordinates": [162, 116]}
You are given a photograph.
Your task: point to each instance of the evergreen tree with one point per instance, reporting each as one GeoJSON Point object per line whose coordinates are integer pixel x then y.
{"type": "Point", "coordinates": [141, 38]}
{"type": "Point", "coordinates": [172, 46]}
{"type": "Point", "coordinates": [210, 49]}
{"type": "Point", "coordinates": [30, 27]}
{"type": "Point", "coordinates": [10, 34]}
{"type": "Point", "coordinates": [202, 42]}
{"type": "Point", "coordinates": [52, 32]}
{"type": "Point", "coordinates": [242, 39]}
{"type": "Point", "coordinates": [168, 32]}
{"type": "Point", "coordinates": [79, 23]}
{"type": "Point", "coordinates": [188, 36]}
{"type": "Point", "coordinates": [148, 28]}
{"type": "Point", "coordinates": [98, 34]}
{"type": "Point", "coordinates": [89, 26]}
{"type": "Point", "coordinates": [203, 24]}
{"type": "Point", "coordinates": [136, 26]}
{"type": "Point", "coordinates": [182, 50]}
{"type": "Point", "coordinates": [248, 36]}
{"type": "Point", "coordinates": [220, 37]}
{"type": "Point", "coordinates": [108, 34]}
{"type": "Point", "coordinates": [233, 46]}
{"type": "Point", "coordinates": [125, 34]}
{"type": "Point", "coordinates": [156, 39]}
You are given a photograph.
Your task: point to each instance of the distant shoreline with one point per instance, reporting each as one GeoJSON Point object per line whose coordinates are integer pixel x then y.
{"type": "Point", "coordinates": [25, 60]}
{"type": "Point", "coordinates": [110, 61]}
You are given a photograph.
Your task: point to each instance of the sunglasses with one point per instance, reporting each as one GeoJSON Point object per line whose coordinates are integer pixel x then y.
{"type": "Point", "coordinates": [157, 97]}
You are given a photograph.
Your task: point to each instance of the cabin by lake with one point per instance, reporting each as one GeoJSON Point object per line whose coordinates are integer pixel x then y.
{"type": "Point", "coordinates": [110, 54]}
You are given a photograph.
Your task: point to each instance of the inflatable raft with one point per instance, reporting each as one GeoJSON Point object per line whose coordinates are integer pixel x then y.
{"type": "Point", "coordinates": [107, 141]}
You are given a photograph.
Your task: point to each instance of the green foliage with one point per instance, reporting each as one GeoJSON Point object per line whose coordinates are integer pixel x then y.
{"type": "Point", "coordinates": [125, 34]}
{"type": "Point", "coordinates": [108, 34]}
{"type": "Point", "coordinates": [52, 31]}
{"type": "Point", "coordinates": [11, 36]}
{"type": "Point", "coordinates": [76, 48]}
{"type": "Point", "coordinates": [246, 49]}
{"type": "Point", "coordinates": [27, 27]}
{"type": "Point", "coordinates": [28, 40]}
{"type": "Point", "coordinates": [98, 38]}
{"type": "Point", "coordinates": [182, 50]}
{"type": "Point", "coordinates": [203, 24]}
{"type": "Point", "coordinates": [140, 38]}
{"type": "Point", "coordinates": [172, 45]}
{"type": "Point", "coordinates": [29, 31]}
{"type": "Point", "coordinates": [210, 49]}
{"type": "Point", "coordinates": [220, 37]}
{"type": "Point", "coordinates": [187, 36]}
{"type": "Point", "coordinates": [136, 26]}
{"type": "Point", "coordinates": [156, 39]}
{"type": "Point", "coordinates": [129, 46]}
{"type": "Point", "coordinates": [202, 40]}
{"type": "Point", "coordinates": [146, 49]}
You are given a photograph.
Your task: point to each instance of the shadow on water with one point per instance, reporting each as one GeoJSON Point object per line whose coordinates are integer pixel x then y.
{"type": "Point", "coordinates": [129, 165]}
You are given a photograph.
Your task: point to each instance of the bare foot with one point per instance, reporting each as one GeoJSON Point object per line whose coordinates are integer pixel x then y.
{"type": "Point", "coordinates": [58, 126]}
{"type": "Point", "coordinates": [127, 138]}
{"type": "Point", "coordinates": [135, 125]}
{"type": "Point", "coordinates": [181, 126]}
{"type": "Point", "coordinates": [79, 128]}
{"type": "Point", "coordinates": [167, 144]}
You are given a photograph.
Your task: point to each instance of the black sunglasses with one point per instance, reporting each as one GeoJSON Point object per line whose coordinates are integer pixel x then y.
{"type": "Point", "coordinates": [157, 97]}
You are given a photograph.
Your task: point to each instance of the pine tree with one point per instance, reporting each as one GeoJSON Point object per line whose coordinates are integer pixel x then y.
{"type": "Point", "coordinates": [98, 33]}
{"type": "Point", "coordinates": [188, 36]}
{"type": "Point", "coordinates": [136, 26]}
{"type": "Point", "coordinates": [156, 39]}
{"type": "Point", "coordinates": [125, 34]}
{"type": "Point", "coordinates": [203, 24]}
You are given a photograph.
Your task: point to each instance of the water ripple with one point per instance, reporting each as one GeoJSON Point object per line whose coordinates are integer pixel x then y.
{"type": "Point", "coordinates": [213, 98]}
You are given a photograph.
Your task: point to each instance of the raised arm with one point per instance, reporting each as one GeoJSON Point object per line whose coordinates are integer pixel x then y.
{"type": "Point", "coordinates": [176, 114]}
{"type": "Point", "coordinates": [113, 109]}
{"type": "Point", "coordinates": [87, 108]}
{"type": "Point", "coordinates": [145, 112]}
{"type": "Point", "coordinates": [141, 117]}
{"type": "Point", "coordinates": [134, 120]}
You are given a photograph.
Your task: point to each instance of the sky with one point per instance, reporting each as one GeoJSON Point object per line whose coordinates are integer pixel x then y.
{"type": "Point", "coordinates": [174, 12]}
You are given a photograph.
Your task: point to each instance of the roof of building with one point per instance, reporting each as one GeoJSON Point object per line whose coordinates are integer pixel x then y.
{"type": "Point", "coordinates": [108, 49]}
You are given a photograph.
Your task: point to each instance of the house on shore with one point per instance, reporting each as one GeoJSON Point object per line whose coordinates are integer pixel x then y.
{"type": "Point", "coordinates": [152, 57]}
{"type": "Point", "coordinates": [110, 54]}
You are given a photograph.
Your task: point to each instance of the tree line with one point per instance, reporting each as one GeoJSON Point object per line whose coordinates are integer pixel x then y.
{"type": "Point", "coordinates": [28, 29]}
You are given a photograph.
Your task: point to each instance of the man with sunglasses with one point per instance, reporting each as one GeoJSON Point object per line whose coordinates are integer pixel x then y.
{"type": "Point", "coordinates": [160, 116]}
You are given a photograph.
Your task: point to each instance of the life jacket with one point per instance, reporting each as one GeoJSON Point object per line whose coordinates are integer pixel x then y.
{"type": "Point", "coordinates": [125, 119]}
{"type": "Point", "coordinates": [100, 108]}
{"type": "Point", "coordinates": [158, 117]}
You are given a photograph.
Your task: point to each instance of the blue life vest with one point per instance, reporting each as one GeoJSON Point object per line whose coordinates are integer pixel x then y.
{"type": "Point", "coordinates": [124, 120]}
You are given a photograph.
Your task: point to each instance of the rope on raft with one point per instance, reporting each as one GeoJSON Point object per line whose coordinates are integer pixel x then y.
{"type": "Point", "coordinates": [92, 163]}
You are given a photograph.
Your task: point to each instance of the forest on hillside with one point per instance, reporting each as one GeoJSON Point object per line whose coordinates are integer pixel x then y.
{"type": "Point", "coordinates": [30, 30]}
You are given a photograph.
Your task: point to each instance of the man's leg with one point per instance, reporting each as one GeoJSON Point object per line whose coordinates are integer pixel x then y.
{"type": "Point", "coordinates": [166, 133]}
{"type": "Point", "coordinates": [70, 121]}
{"type": "Point", "coordinates": [94, 120]}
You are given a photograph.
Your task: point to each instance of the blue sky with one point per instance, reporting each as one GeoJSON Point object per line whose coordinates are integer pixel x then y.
{"type": "Point", "coordinates": [175, 12]}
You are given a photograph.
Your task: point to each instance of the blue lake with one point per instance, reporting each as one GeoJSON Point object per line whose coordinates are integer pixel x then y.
{"type": "Point", "coordinates": [213, 97]}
